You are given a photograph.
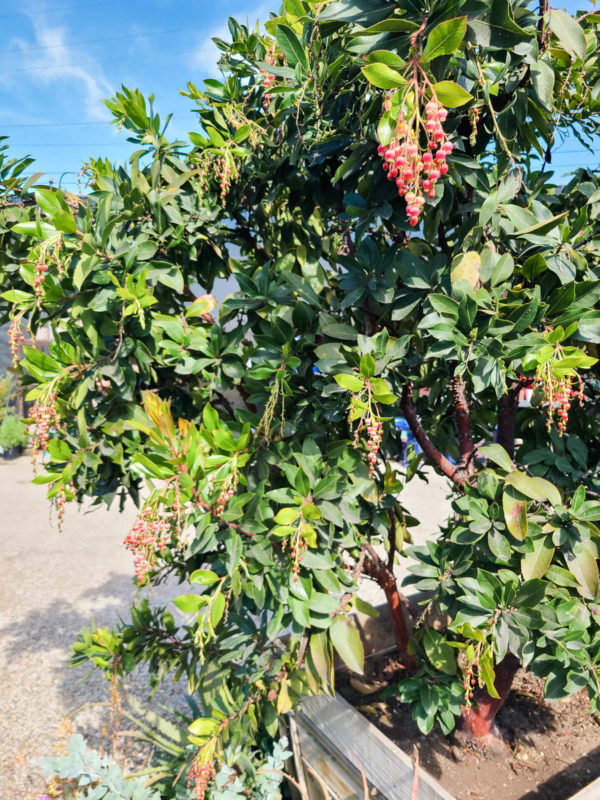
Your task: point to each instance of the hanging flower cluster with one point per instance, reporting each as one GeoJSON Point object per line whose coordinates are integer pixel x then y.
{"type": "Point", "coordinates": [219, 166]}
{"type": "Point", "coordinates": [298, 544]}
{"type": "Point", "coordinates": [200, 774]}
{"type": "Point", "coordinates": [44, 417]}
{"type": "Point", "coordinates": [61, 501]}
{"type": "Point", "coordinates": [16, 339]}
{"type": "Point", "coordinates": [415, 157]}
{"type": "Point", "coordinates": [560, 394]}
{"type": "Point", "coordinates": [150, 534]}
{"type": "Point", "coordinates": [368, 418]}
{"type": "Point", "coordinates": [227, 491]}
{"type": "Point", "coordinates": [375, 432]}
{"type": "Point", "coordinates": [49, 252]}
{"type": "Point", "coordinates": [268, 78]}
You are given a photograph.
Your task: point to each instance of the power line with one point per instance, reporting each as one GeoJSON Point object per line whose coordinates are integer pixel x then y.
{"type": "Point", "coordinates": [97, 62]}
{"type": "Point", "coordinates": [101, 4]}
{"type": "Point", "coordinates": [115, 39]}
{"type": "Point", "coordinates": [61, 124]}
{"type": "Point", "coordinates": [74, 144]}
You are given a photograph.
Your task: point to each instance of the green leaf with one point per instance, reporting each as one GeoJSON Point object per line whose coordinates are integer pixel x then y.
{"type": "Point", "coordinates": [568, 32]}
{"type": "Point", "coordinates": [486, 669]}
{"type": "Point", "coordinates": [286, 516]}
{"type": "Point", "coordinates": [536, 563]}
{"type": "Point", "coordinates": [531, 593]}
{"type": "Point", "coordinates": [382, 76]}
{"type": "Point", "coordinates": [64, 221]}
{"type": "Point", "coordinates": [503, 270]}
{"type": "Point", "coordinates": [466, 267]}
{"type": "Point", "coordinates": [515, 512]}
{"type": "Point", "coordinates": [445, 39]}
{"type": "Point", "coordinates": [450, 94]}
{"type": "Point", "coordinates": [495, 26]}
{"type": "Point", "coordinates": [583, 565]}
{"type": "Point", "coordinates": [439, 652]}
{"type": "Point", "coordinates": [367, 366]}
{"type": "Point", "coordinates": [41, 230]}
{"type": "Point", "coordinates": [205, 727]}
{"type": "Point", "coordinates": [205, 577]}
{"type": "Point", "coordinates": [60, 451]}
{"type": "Point", "coordinates": [291, 46]}
{"type": "Point", "coordinates": [543, 226]}
{"type": "Point", "coordinates": [17, 296]}
{"type": "Point", "coordinates": [346, 640]}
{"type": "Point", "coordinates": [320, 656]}
{"type": "Point", "coordinates": [365, 608]}
{"type": "Point", "coordinates": [535, 488]}
{"type": "Point", "coordinates": [190, 603]}
{"type": "Point", "coordinates": [217, 609]}
{"type": "Point", "coordinates": [497, 454]}
{"type": "Point", "coordinates": [352, 383]}
{"type": "Point", "coordinates": [444, 304]}
{"type": "Point", "coordinates": [338, 330]}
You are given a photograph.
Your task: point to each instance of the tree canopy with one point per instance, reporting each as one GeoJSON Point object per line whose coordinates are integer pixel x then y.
{"type": "Point", "coordinates": [377, 178]}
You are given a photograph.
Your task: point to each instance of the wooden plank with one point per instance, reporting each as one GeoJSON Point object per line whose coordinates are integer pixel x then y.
{"type": "Point", "coordinates": [347, 739]}
{"type": "Point", "coordinates": [589, 792]}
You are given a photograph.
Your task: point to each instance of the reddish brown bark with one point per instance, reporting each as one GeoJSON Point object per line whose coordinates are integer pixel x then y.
{"type": "Point", "coordinates": [456, 473]}
{"type": "Point", "coordinates": [377, 569]}
{"type": "Point", "coordinates": [507, 418]}
{"type": "Point", "coordinates": [462, 416]}
{"type": "Point", "coordinates": [478, 722]}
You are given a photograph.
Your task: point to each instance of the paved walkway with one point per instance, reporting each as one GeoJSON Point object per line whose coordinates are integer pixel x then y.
{"type": "Point", "coordinates": [52, 585]}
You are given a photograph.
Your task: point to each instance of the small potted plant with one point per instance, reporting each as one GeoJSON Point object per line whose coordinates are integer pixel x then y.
{"type": "Point", "coordinates": [12, 436]}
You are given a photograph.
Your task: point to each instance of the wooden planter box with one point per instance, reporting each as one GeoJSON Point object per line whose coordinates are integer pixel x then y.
{"type": "Point", "coordinates": [333, 740]}
{"type": "Point", "coordinates": [337, 742]}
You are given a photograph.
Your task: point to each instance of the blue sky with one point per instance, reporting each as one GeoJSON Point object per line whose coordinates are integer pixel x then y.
{"type": "Point", "coordinates": [60, 58]}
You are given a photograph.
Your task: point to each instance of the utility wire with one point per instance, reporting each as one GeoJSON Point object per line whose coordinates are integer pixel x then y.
{"type": "Point", "coordinates": [114, 39]}
{"type": "Point", "coordinates": [61, 124]}
{"type": "Point", "coordinates": [98, 62]}
{"type": "Point", "coordinates": [101, 4]}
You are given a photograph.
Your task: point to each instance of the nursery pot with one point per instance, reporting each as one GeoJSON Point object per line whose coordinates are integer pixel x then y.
{"type": "Point", "coordinates": [10, 453]}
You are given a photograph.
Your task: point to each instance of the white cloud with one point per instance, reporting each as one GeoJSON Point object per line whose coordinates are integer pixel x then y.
{"type": "Point", "coordinates": [58, 62]}
{"type": "Point", "coordinates": [207, 53]}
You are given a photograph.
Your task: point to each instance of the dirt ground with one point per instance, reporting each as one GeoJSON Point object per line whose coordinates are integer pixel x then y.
{"type": "Point", "coordinates": [555, 745]}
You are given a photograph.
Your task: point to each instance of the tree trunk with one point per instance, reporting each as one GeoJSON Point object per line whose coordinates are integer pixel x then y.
{"type": "Point", "coordinates": [507, 418]}
{"type": "Point", "coordinates": [478, 722]}
{"type": "Point", "coordinates": [398, 615]}
{"type": "Point", "coordinates": [377, 569]}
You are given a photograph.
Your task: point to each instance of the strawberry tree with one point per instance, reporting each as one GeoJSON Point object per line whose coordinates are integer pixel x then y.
{"type": "Point", "coordinates": [258, 439]}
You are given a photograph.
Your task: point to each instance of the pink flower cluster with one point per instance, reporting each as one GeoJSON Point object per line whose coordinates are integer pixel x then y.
{"type": "Point", "coordinates": [414, 170]}
{"type": "Point", "coordinates": [199, 777]}
{"type": "Point", "coordinates": [44, 417]}
{"type": "Point", "coordinates": [562, 395]}
{"type": "Point", "coordinates": [268, 79]}
{"type": "Point", "coordinates": [148, 536]}
{"type": "Point", "coordinates": [375, 431]}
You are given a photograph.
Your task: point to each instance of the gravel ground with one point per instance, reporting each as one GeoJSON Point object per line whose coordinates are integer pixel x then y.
{"type": "Point", "coordinates": [54, 584]}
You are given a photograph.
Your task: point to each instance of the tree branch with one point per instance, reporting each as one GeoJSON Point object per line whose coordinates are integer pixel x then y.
{"type": "Point", "coordinates": [443, 242]}
{"type": "Point", "coordinates": [398, 605]}
{"type": "Point", "coordinates": [392, 539]}
{"type": "Point", "coordinates": [462, 416]}
{"type": "Point", "coordinates": [455, 473]}
{"type": "Point", "coordinates": [507, 418]}
{"type": "Point", "coordinates": [541, 26]}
